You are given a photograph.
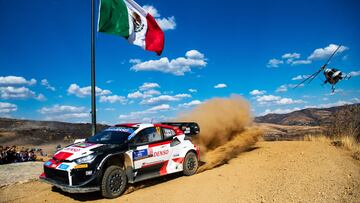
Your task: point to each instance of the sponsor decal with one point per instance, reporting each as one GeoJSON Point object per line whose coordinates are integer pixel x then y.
{"type": "Point", "coordinates": [140, 154]}
{"type": "Point", "coordinates": [63, 166]}
{"type": "Point", "coordinates": [161, 153]}
{"type": "Point", "coordinates": [84, 145]}
{"type": "Point", "coordinates": [53, 165]}
{"type": "Point", "coordinates": [72, 149]}
{"type": "Point", "coordinates": [81, 166]}
{"type": "Point", "coordinates": [48, 163]}
{"type": "Point", "coordinates": [120, 129]}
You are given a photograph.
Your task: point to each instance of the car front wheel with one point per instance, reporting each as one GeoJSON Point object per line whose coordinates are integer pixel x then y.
{"type": "Point", "coordinates": [113, 182]}
{"type": "Point", "coordinates": [190, 164]}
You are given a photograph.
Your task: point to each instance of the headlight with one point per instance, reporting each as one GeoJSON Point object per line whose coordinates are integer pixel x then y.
{"type": "Point", "coordinates": [85, 159]}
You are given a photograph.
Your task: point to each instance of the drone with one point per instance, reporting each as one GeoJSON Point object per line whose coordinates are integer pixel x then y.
{"type": "Point", "coordinates": [332, 75]}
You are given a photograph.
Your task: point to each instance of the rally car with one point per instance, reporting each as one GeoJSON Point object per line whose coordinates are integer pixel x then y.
{"type": "Point", "coordinates": [122, 154]}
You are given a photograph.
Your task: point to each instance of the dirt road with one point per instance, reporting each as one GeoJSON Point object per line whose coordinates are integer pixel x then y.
{"type": "Point", "coordinates": [294, 171]}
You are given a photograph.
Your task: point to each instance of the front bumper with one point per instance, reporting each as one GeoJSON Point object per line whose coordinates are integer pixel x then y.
{"type": "Point", "coordinates": [68, 188]}
{"type": "Point", "coordinates": [71, 180]}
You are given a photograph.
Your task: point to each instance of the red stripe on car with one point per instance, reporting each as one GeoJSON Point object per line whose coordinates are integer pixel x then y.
{"type": "Point", "coordinates": [163, 168]}
{"type": "Point", "coordinates": [178, 160]}
{"type": "Point", "coordinates": [159, 143]}
{"type": "Point", "coordinates": [62, 155]}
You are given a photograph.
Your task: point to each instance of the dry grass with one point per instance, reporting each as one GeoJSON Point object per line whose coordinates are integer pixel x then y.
{"type": "Point", "coordinates": [346, 142]}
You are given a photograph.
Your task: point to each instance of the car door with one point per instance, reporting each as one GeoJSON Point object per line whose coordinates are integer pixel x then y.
{"type": "Point", "coordinates": [152, 151]}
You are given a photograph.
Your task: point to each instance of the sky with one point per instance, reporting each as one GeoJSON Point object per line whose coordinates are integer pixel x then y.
{"type": "Point", "coordinates": [256, 49]}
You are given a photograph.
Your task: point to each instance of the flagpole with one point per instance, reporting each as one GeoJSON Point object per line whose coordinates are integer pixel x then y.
{"type": "Point", "coordinates": [93, 85]}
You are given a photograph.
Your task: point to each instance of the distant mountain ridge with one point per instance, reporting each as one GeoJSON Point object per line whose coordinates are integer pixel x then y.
{"type": "Point", "coordinates": [308, 117]}
{"type": "Point", "coordinates": [37, 132]}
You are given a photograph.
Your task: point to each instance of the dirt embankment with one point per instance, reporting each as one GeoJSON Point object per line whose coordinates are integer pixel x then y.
{"type": "Point", "coordinates": [295, 171]}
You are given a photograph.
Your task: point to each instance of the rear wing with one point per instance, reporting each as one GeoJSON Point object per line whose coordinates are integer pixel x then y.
{"type": "Point", "coordinates": [189, 128]}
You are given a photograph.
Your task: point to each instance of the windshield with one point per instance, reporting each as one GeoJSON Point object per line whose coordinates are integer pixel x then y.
{"type": "Point", "coordinates": [113, 135]}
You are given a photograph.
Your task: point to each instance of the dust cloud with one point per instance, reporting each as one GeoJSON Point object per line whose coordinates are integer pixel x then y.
{"type": "Point", "coordinates": [225, 129]}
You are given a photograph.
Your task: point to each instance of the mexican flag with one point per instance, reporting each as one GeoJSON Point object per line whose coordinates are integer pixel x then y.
{"type": "Point", "coordinates": [127, 19]}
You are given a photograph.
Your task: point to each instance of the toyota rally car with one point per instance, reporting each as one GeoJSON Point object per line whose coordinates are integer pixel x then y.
{"type": "Point", "coordinates": [122, 154]}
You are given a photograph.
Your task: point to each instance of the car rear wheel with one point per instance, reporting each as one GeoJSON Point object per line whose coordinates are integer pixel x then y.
{"type": "Point", "coordinates": [190, 164]}
{"type": "Point", "coordinates": [113, 182]}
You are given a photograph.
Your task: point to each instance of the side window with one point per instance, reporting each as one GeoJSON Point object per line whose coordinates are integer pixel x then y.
{"type": "Point", "coordinates": [168, 132]}
{"type": "Point", "coordinates": [147, 135]}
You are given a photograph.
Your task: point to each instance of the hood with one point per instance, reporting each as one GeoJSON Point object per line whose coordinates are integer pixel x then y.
{"type": "Point", "coordinates": [77, 150]}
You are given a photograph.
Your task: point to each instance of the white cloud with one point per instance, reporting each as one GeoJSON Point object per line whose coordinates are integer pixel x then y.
{"type": "Point", "coordinates": [135, 61]}
{"type": "Point", "coordinates": [354, 73]}
{"type": "Point", "coordinates": [293, 59]}
{"type": "Point", "coordinates": [7, 107]}
{"type": "Point", "coordinates": [152, 92]}
{"type": "Point", "coordinates": [178, 66]}
{"type": "Point", "coordinates": [282, 88]}
{"type": "Point", "coordinates": [40, 97]}
{"type": "Point", "coordinates": [86, 91]}
{"type": "Point", "coordinates": [164, 23]}
{"type": "Point", "coordinates": [323, 53]}
{"type": "Point", "coordinates": [45, 82]}
{"type": "Point", "coordinates": [300, 62]}
{"type": "Point", "coordinates": [257, 92]}
{"type": "Point", "coordinates": [274, 63]}
{"type": "Point", "coordinates": [190, 104]}
{"type": "Point", "coordinates": [139, 115]}
{"type": "Point", "coordinates": [277, 100]}
{"type": "Point", "coordinates": [161, 107]}
{"type": "Point", "coordinates": [19, 93]}
{"type": "Point", "coordinates": [220, 85]}
{"type": "Point", "coordinates": [193, 90]}
{"type": "Point", "coordinates": [194, 54]}
{"type": "Point", "coordinates": [300, 77]}
{"type": "Point", "coordinates": [64, 112]}
{"type": "Point", "coordinates": [146, 90]}
{"type": "Point", "coordinates": [57, 109]}
{"type": "Point", "coordinates": [267, 98]}
{"type": "Point", "coordinates": [280, 111]}
{"type": "Point", "coordinates": [148, 85]}
{"type": "Point", "coordinates": [291, 56]}
{"type": "Point", "coordinates": [286, 101]}
{"type": "Point", "coordinates": [109, 81]}
{"type": "Point", "coordinates": [15, 80]}
{"type": "Point", "coordinates": [152, 10]}
{"type": "Point", "coordinates": [135, 95]}
{"type": "Point", "coordinates": [338, 103]}
{"type": "Point", "coordinates": [113, 99]}
{"type": "Point", "coordinates": [164, 98]}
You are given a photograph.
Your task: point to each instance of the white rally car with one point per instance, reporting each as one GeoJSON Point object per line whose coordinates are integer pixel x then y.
{"type": "Point", "coordinates": [122, 154]}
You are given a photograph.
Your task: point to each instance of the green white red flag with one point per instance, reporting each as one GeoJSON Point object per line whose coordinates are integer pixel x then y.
{"type": "Point", "coordinates": [127, 19]}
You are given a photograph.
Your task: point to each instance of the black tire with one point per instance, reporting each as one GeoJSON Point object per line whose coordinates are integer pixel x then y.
{"type": "Point", "coordinates": [190, 164]}
{"type": "Point", "coordinates": [114, 182]}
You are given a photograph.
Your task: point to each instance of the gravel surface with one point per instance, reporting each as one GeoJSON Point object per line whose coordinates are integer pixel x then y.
{"type": "Point", "coordinates": [19, 172]}
{"type": "Point", "coordinates": [296, 171]}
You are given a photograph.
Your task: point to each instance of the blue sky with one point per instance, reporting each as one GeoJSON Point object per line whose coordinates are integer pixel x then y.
{"type": "Point", "coordinates": [253, 48]}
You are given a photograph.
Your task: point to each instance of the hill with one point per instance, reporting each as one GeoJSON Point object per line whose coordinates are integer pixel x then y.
{"type": "Point", "coordinates": [37, 132]}
{"type": "Point", "coordinates": [306, 117]}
